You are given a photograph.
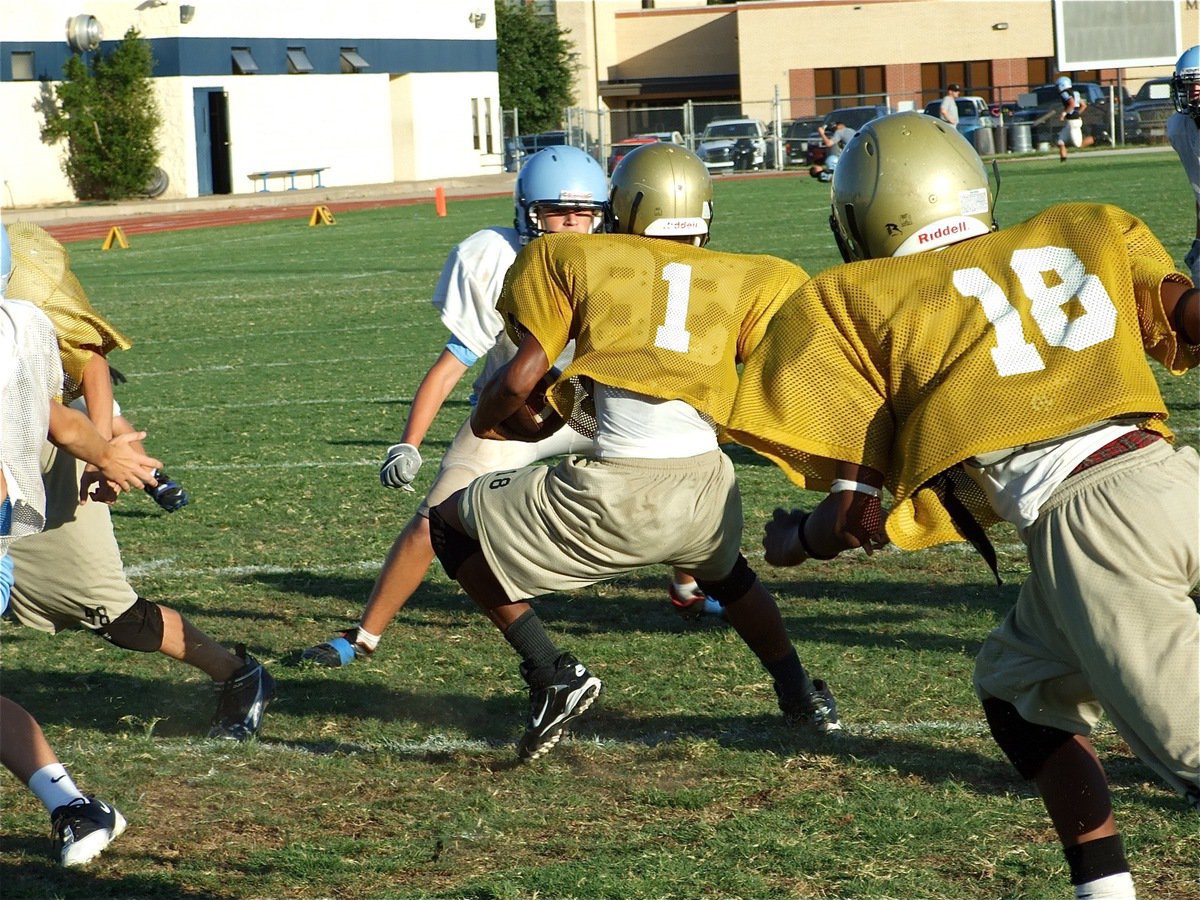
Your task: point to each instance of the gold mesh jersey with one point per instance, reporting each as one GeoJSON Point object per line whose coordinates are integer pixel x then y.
{"type": "Point", "coordinates": [911, 365]}
{"type": "Point", "coordinates": [42, 275]}
{"type": "Point", "coordinates": [649, 315]}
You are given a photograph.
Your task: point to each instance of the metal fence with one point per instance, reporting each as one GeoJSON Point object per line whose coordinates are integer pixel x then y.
{"type": "Point", "coordinates": [596, 130]}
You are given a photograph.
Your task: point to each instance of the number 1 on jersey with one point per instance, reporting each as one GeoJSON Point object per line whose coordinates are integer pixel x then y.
{"type": "Point", "coordinates": [673, 334]}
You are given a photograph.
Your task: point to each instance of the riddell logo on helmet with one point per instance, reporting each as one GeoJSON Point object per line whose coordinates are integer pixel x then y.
{"type": "Point", "coordinates": [942, 231]}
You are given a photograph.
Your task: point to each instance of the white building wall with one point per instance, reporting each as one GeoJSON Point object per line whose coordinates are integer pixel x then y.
{"type": "Point", "coordinates": [331, 120]}
{"type": "Point", "coordinates": [32, 171]}
{"type": "Point", "coordinates": [367, 127]}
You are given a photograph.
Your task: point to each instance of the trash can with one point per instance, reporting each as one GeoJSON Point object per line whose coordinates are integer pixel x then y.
{"type": "Point", "coordinates": [1020, 137]}
{"type": "Point", "coordinates": [1000, 138]}
{"type": "Point", "coordinates": [982, 139]}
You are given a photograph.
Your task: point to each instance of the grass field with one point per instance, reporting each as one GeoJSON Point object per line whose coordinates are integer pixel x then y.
{"type": "Point", "coordinates": [273, 364]}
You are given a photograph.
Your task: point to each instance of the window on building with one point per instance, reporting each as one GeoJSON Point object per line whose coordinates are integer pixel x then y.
{"type": "Point", "coordinates": [1040, 70]}
{"type": "Point", "coordinates": [974, 76]}
{"type": "Point", "coordinates": [489, 138]}
{"type": "Point", "coordinates": [476, 130]}
{"type": "Point", "coordinates": [352, 62]}
{"type": "Point", "coordinates": [243, 61]}
{"type": "Point", "coordinates": [298, 63]}
{"type": "Point", "coordinates": [851, 86]}
{"type": "Point", "coordinates": [22, 66]}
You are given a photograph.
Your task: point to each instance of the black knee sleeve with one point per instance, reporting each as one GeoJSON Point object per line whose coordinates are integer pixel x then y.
{"type": "Point", "coordinates": [452, 547]}
{"type": "Point", "coordinates": [1026, 745]}
{"type": "Point", "coordinates": [138, 628]}
{"type": "Point", "coordinates": [734, 585]}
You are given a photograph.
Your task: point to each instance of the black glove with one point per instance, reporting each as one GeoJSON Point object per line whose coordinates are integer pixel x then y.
{"type": "Point", "coordinates": [168, 493]}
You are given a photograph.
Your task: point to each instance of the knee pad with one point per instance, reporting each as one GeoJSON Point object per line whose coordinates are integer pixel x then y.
{"type": "Point", "coordinates": [138, 628]}
{"type": "Point", "coordinates": [452, 547]}
{"type": "Point", "coordinates": [1026, 745]}
{"type": "Point", "coordinates": [733, 586]}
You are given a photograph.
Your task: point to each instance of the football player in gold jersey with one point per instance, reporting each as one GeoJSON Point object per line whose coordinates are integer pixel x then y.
{"type": "Point", "coordinates": [982, 375]}
{"type": "Point", "coordinates": [659, 325]}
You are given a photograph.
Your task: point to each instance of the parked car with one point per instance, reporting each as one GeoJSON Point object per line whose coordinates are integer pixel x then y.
{"type": "Point", "coordinates": [619, 149]}
{"type": "Point", "coordinates": [670, 137]}
{"type": "Point", "coordinates": [523, 145]}
{"type": "Point", "coordinates": [851, 116]}
{"type": "Point", "coordinates": [973, 113]}
{"type": "Point", "coordinates": [1145, 116]}
{"type": "Point", "coordinates": [1043, 113]}
{"type": "Point", "coordinates": [726, 144]}
{"type": "Point", "coordinates": [795, 139]}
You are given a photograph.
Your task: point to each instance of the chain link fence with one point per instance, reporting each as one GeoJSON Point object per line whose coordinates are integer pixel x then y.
{"type": "Point", "coordinates": [597, 130]}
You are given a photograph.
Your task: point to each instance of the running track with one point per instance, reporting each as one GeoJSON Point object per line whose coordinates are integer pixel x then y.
{"type": "Point", "coordinates": [139, 223]}
{"type": "Point", "coordinates": [98, 229]}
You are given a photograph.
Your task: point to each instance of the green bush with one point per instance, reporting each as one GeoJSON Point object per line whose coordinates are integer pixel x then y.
{"type": "Point", "coordinates": [535, 63]}
{"type": "Point", "coordinates": [108, 116]}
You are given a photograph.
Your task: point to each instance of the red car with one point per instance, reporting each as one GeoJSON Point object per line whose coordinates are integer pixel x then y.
{"type": "Point", "coordinates": [620, 149]}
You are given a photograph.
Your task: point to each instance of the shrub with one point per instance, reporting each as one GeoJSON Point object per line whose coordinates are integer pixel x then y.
{"type": "Point", "coordinates": [108, 116]}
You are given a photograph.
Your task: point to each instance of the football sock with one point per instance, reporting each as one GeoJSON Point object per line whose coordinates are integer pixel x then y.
{"type": "Point", "coordinates": [790, 675]}
{"type": "Point", "coordinates": [686, 589]}
{"type": "Point", "coordinates": [53, 786]}
{"type": "Point", "coordinates": [1111, 887]}
{"type": "Point", "coordinates": [530, 640]}
{"type": "Point", "coordinates": [368, 640]}
{"type": "Point", "coordinates": [1099, 870]}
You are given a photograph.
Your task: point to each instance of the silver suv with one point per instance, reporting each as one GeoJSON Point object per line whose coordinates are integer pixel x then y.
{"type": "Point", "coordinates": [728, 144]}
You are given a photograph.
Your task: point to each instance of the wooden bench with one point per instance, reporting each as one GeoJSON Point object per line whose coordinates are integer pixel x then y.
{"type": "Point", "coordinates": [313, 171]}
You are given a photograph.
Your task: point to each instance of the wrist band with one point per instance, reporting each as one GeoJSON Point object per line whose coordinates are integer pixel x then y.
{"type": "Point", "coordinates": [804, 544]}
{"type": "Point", "coordinates": [845, 484]}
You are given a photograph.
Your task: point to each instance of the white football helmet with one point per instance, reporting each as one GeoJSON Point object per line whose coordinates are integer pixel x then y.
{"type": "Point", "coordinates": [1063, 83]}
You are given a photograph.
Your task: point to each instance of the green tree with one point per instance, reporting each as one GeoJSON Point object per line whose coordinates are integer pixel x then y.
{"type": "Point", "coordinates": [536, 64]}
{"type": "Point", "coordinates": [108, 116]}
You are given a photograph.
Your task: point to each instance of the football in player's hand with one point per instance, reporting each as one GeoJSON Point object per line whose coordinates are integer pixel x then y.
{"type": "Point", "coordinates": [535, 419]}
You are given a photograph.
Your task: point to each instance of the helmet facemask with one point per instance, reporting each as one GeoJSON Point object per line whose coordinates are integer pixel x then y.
{"type": "Point", "coordinates": [1185, 84]}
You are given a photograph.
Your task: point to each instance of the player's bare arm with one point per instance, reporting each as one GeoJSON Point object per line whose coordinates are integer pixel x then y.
{"type": "Point", "coordinates": [118, 460]}
{"type": "Point", "coordinates": [446, 371]}
{"type": "Point", "coordinates": [97, 392]}
{"type": "Point", "coordinates": [403, 461]}
{"type": "Point", "coordinates": [850, 516]}
{"type": "Point", "coordinates": [509, 388]}
{"type": "Point", "coordinates": [1182, 306]}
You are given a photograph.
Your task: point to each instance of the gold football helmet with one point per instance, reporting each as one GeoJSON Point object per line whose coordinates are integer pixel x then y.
{"type": "Point", "coordinates": [662, 190]}
{"type": "Point", "coordinates": [907, 183]}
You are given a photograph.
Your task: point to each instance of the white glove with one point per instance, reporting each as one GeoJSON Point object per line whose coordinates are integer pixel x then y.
{"type": "Point", "coordinates": [401, 466]}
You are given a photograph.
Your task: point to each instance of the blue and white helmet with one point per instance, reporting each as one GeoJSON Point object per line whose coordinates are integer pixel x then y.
{"type": "Point", "coordinates": [5, 261]}
{"type": "Point", "coordinates": [559, 177]}
{"type": "Point", "coordinates": [1184, 81]}
{"type": "Point", "coordinates": [1063, 83]}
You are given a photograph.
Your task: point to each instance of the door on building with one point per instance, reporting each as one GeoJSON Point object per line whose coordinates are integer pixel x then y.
{"type": "Point", "coordinates": [213, 172]}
